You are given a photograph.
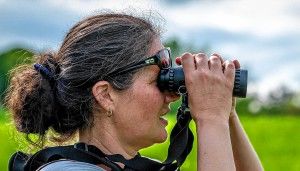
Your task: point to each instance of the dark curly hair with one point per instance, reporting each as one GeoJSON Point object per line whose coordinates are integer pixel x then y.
{"type": "Point", "coordinates": [93, 48]}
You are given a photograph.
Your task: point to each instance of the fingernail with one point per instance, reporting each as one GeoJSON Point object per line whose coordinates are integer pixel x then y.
{"type": "Point", "coordinates": [178, 61]}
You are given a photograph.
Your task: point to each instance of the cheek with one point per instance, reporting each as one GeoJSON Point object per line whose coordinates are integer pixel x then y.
{"type": "Point", "coordinates": [149, 102]}
{"type": "Point", "coordinates": [151, 98]}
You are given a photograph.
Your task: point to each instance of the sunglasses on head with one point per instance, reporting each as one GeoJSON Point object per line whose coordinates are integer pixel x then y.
{"type": "Point", "coordinates": [162, 59]}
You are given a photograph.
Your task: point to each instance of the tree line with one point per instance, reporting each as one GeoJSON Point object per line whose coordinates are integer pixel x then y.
{"type": "Point", "coordinates": [281, 101]}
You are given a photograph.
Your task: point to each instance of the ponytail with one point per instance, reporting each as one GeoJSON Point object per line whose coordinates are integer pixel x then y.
{"type": "Point", "coordinates": [31, 97]}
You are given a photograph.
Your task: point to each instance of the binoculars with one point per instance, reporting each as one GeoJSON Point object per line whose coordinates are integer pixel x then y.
{"type": "Point", "coordinates": [172, 80]}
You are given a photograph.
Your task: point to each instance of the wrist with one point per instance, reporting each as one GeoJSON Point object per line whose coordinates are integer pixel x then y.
{"type": "Point", "coordinates": [212, 128]}
{"type": "Point", "coordinates": [210, 115]}
{"type": "Point", "coordinates": [217, 121]}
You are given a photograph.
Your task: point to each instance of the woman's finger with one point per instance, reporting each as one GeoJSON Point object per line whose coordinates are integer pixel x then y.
{"type": "Point", "coordinates": [178, 60]}
{"type": "Point", "coordinates": [215, 64]}
{"type": "Point", "coordinates": [201, 61]}
{"type": "Point", "coordinates": [220, 57]}
{"type": "Point", "coordinates": [188, 63]}
{"type": "Point", "coordinates": [236, 64]}
{"type": "Point", "coordinates": [229, 70]}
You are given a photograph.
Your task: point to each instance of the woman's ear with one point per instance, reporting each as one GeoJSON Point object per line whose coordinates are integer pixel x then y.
{"type": "Point", "coordinates": [102, 92]}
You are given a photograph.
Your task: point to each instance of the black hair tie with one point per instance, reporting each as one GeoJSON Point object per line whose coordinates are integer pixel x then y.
{"type": "Point", "coordinates": [45, 72]}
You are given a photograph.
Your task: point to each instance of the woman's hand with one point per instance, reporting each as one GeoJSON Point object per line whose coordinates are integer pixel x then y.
{"type": "Point", "coordinates": [209, 84]}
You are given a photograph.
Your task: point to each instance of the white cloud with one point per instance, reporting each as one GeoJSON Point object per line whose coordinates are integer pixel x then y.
{"type": "Point", "coordinates": [260, 17]}
{"type": "Point", "coordinates": [84, 7]}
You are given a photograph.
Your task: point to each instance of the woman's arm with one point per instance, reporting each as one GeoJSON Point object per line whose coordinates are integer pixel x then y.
{"type": "Point", "coordinates": [210, 99]}
{"type": "Point", "coordinates": [244, 154]}
{"type": "Point", "coordinates": [214, 146]}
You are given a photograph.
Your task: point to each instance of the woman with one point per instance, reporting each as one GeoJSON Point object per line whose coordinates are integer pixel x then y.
{"type": "Point", "coordinates": [87, 88]}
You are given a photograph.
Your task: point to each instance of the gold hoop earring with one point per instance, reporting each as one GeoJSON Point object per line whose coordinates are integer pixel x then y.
{"type": "Point", "coordinates": [109, 113]}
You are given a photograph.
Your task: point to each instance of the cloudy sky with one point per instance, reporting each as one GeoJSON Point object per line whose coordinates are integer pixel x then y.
{"type": "Point", "coordinates": [263, 34]}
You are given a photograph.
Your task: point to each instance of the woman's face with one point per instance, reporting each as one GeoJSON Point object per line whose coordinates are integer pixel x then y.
{"type": "Point", "coordinates": [139, 110]}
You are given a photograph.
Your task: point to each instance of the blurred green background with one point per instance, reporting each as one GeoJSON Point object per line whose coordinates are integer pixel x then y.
{"type": "Point", "coordinates": [273, 128]}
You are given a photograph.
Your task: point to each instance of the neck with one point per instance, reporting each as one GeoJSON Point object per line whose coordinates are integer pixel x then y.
{"type": "Point", "coordinates": [106, 139]}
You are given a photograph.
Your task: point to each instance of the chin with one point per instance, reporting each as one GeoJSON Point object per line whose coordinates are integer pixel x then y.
{"type": "Point", "coordinates": [162, 136]}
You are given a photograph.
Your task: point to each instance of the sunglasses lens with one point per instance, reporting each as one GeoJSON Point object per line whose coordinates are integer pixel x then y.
{"type": "Point", "coordinates": [165, 59]}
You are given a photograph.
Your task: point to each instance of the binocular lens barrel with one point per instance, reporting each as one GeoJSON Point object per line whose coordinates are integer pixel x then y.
{"type": "Point", "coordinates": [172, 80]}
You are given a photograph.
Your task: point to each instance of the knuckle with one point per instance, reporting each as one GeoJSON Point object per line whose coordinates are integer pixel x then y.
{"type": "Point", "coordinates": [201, 55]}
{"type": "Point", "coordinates": [216, 54]}
{"type": "Point", "coordinates": [203, 75]}
{"type": "Point", "coordinates": [214, 58]}
{"type": "Point", "coordinates": [230, 65]}
{"type": "Point", "coordinates": [186, 56]}
{"type": "Point", "coordinates": [201, 58]}
{"type": "Point", "coordinates": [218, 79]}
{"type": "Point", "coordinates": [219, 56]}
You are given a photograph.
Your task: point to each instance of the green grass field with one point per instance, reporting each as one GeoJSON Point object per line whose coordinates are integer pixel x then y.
{"type": "Point", "coordinates": [276, 140]}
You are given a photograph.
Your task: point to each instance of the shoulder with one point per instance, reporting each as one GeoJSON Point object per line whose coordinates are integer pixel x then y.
{"type": "Point", "coordinates": [68, 165]}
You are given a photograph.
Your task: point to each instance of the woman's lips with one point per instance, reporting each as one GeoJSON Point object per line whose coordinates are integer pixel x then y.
{"type": "Point", "coordinates": [163, 121]}
{"type": "Point", "coordinates": [164, 113]}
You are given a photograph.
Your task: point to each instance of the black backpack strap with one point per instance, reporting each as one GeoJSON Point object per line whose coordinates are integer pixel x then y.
{"type": "Point", "coordinates": [181, 138]}
{"type": "Point", "coordinates": [17, 161]}
{"type": "Point", "coordinates": [138, 163]}
{"type": "Point", "coordinates": [66, 152]}
{"type": "Point", "coordinates": [181, 141]}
